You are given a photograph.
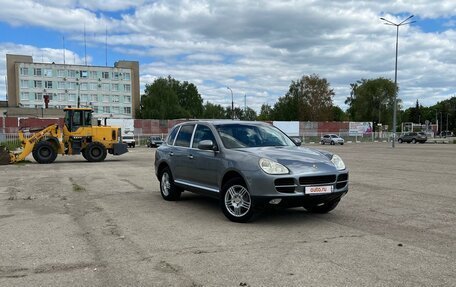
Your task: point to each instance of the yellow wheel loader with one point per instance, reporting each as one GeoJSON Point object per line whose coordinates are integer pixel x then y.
{"type": "Point", "coordinates": [77, 136]}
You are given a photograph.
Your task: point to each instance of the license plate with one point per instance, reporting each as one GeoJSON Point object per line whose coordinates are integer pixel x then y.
{"type": "Point", "coordinates": [319, 189]}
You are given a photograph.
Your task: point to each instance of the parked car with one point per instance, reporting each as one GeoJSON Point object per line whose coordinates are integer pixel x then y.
{"type": "Point", "coordinates": [412, 137]}
{"type": "Point", "coordinates": [248, 166]}
{"type": "Point", "coordinates": [332, 139]}
{"type": "Point", "coordinates": [446, 134]}
{"type": "Point", "coordinates": [129, 139]}
{"type": "Point", "coordinates": [154, 141]}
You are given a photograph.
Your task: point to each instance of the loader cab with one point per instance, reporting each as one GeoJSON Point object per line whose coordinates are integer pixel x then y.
{"type": "Point", "coordinates": [77, 117]}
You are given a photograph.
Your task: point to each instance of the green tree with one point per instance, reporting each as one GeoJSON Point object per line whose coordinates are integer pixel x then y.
{"type": "Point", "coordinates": [212, 111]}
{"type": "Point", "coordinates": [308, 99]}
{"type": "Point", "coordinates": [338, 114]}
{"type": "Point", "coordinates": [167, 98]}
{"type": "Point", "coordinates": [160, 101]}
{"type": "Point", "coordinates": [248, 115]}
{"type": "Point", "coordinates": [266, 113]}
{"type": "Point", "coordinates": [372, 100]}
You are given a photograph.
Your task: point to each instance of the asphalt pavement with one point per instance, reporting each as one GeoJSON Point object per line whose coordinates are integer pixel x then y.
{"type": "Point", "coordinates": [74, 223]}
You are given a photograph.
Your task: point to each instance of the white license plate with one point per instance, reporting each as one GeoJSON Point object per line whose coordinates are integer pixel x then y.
{"type": "Point", "coordinates": [319, 189]}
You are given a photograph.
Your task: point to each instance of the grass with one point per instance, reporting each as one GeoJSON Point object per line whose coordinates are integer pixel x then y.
{"type": "Point", "coordinates": [78, 188]}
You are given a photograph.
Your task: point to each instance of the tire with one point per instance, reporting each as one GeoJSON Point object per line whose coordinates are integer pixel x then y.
{"type": "Point", "coordinates": [44, 152]}
{"type": "Point", "coordinates": [322, 142]}
{"type": "Point", "coordinates": [413, 141]}
{"type": "Point", "coordinates": [83, 152]}
{"type": "Point", "coordinates": [235, 201]}
{"type": "Point", "coordinates": [400, 140]}
{"type": "Point", "coordinates": [95, 152]}
{"type": "Point", "coordinates": [168, 189]}
{"type": "Point", "coordinates": [332, 143]}
{"type": "Point", "coordinates": [324, 207]}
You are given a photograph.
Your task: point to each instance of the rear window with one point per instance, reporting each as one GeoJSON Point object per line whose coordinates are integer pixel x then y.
{"type": "Point", "coordinates": [184, 136]}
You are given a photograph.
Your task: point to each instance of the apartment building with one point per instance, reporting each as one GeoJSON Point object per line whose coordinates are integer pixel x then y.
{"type": "Point", "coordinates": [112, 92]}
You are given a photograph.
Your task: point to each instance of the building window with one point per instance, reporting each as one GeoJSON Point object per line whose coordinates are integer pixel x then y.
{"type": "Point", "coordinates": [61, 73]}
{"type": "Point", "coordinates": [84, 86]}
{"type": "Point", "coordinates": [115, 110]}
{"type": "Point", "coordinates": [71, 74]}
{"type": "Point", "coordinates": [38, 84]}
{"type": "Point", "coordinates": [84, 97]}
{"type": "Point", "coordinates": [127, 99]}
{"type": "Point", "coordinates": [24, 84]}
{"type": "Point", "coordinates": [106, 110]}
{"type": "Point", "coordinates": [127, 76]}
{"type": "Point", "coordinates": [84, 74]}
{"type": "Point", "coordinates": [127, 88]}
{"type": "Point", "coordinates": [93, 74]}
{"type": "Point", "coordinates": [94, 98]}
{"type": "Point", "coordinates": [48, 84]}
{"type": "Point", "coordinates": [61, 97]}
{"type": "Point", "coordinates": [47, 72]}
{"type": "Point", "coordinates": [61, 85]}
{"type": "Point", "coordinates": [37, 71]}
{"type": "Point", "coordinates": [38, 96]}
{"type": "Point", "coordinates": [115, 87]}
{"type": "Point", "coordinates": [71, 85]}
{"type": "Point", "coordinates": [115, 99]}
{"type": "Point", "coordinates": [25, 96]}
{"type": "Point", "coordinates": [71, 97]}
{"type": "Point", "coordinates": [105, 75]}
{"type": "Point", "coordinates": [95, 109]}
{"type": "Point", "coordinates": [106, 98]}
{"type": "Point", "coordinates": [93, 86]}
{"type": "Point", "coordinates": [105, 87]}
{"type": "Point", "coordinates": [127, 110]}
{"type": "Point", "coordinates": [115, 75]}
{"type": "Point", "coordinates": [24, 72]}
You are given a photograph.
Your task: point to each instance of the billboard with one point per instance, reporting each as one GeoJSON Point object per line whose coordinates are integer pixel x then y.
{"type": "Point", "coordinates": [360, 128]}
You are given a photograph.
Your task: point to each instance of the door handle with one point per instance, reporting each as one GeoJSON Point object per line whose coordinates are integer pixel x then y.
{"type": "Point", "coordinates": [190, 156]}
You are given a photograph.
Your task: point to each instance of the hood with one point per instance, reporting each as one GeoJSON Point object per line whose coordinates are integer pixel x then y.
{"type": "Point", "coordinates": [296, 159]}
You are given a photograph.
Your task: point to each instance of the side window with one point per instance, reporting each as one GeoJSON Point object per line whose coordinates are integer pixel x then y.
{"type": "Point", "coordinates": [184, 136]}
{"type": "Point", "coordinates": [172, 136]}
{"type": "Point", "coordinates": [202, 133]}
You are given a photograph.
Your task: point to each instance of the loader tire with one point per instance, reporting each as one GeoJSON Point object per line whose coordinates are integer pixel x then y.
{"type": "Point", "coordinates": [44, 152]}
{"type": "Point", "coordinates": [95, 152]}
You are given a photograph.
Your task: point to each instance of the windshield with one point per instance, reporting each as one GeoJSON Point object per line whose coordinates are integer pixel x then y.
{"type": "Point", "coordinates": [249, 135]}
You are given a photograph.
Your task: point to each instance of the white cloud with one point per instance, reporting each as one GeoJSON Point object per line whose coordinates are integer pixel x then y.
{"type": "Point", "coordinates": [258, 47]}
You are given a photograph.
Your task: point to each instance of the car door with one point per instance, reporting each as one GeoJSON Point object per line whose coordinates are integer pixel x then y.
{"type": "Point", "coordinates": [181, 162]}
{"type": "Point", "coordinates": [206, 164]}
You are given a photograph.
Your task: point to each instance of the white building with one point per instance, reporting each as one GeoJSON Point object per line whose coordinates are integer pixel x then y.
{"type": "Point", "coordinates": [112, 92]}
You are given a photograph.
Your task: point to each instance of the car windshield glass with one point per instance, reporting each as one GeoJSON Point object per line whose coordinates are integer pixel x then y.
{"type": "Point", "coordinates": [245, 135]}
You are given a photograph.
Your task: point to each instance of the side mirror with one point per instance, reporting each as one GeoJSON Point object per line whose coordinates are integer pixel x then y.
{"type": "Point", "coordinates": [297, 141]}
{"type": "Point", "coordinates": [207, 145]}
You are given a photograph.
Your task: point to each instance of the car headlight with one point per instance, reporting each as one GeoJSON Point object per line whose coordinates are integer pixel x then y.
{"type": "Point", "coordinates": [272, 167]}
{"type": "Point", "coordinates": [338, 162]}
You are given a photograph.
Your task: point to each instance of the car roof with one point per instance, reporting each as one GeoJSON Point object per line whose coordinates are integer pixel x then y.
{"type": "Point", "coordinates": [225, 122]}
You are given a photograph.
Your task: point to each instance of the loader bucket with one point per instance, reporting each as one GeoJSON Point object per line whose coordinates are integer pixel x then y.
{"type": "Point", "coordinates": [5, 157]}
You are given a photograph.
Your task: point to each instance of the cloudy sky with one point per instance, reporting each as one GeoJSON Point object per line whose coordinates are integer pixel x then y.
{"type": "Point", "coordinates": [254, 47]}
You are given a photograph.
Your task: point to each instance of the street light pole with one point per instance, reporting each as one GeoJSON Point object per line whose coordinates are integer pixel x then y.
{"type": "Point", "coordinates": [388, 22]}
{"type": "Point", "coordinates": [232, 103]}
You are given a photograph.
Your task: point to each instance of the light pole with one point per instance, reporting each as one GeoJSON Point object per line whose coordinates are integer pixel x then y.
{"type": "Point", "coordinates": [388, 22]}
{"type": "Point", "coordinates": [232, 103]}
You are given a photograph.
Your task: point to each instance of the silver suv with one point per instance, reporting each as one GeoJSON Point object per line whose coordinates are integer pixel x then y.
{"type": "Point", "coordinates": [247, 166]}
{"type": "Point", "coordinates": [332, 139]}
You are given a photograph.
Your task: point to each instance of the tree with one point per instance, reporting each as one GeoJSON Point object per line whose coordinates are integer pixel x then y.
{"type": "Point", "coordinates": [248, 115]}
{"type": "Point", "coordinates": [338, 114]}
{"type": "Point", "coordinates": [372, 100]}
{"type": "Point", "coordinates": [266, 113]}
{"type": "Point", "coordinates": [160, 101]}
{"type": "Point", "coordinates": [308, 99]}
{"type": "Point", "coordinates": [212, 111]}
{"type": "Point", "coordinates": [167, 98]}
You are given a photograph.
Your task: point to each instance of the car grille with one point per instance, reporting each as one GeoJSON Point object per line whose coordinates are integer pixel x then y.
{"type": "Point", "coordinates": [321, 179]}
{"type": "Point", "coordinates": [342, 180]}
{"type": "Point", "coordinates": [285, 185]}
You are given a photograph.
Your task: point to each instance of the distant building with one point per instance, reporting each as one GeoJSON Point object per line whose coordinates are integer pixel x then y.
{"type": "Point", "coordinates": [112, 92]}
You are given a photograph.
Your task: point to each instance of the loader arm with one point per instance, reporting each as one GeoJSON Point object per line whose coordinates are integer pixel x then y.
{"type": "Point", "coordinates": [28, 143]}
